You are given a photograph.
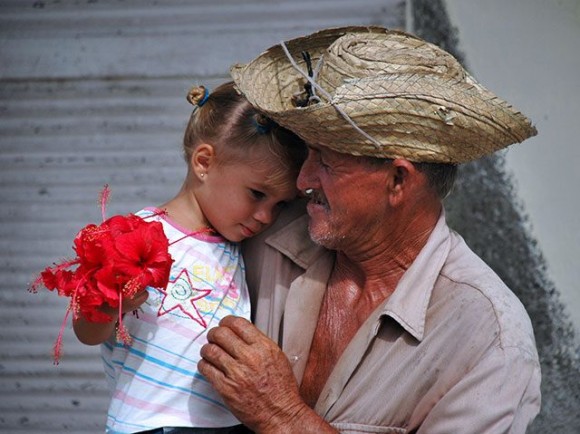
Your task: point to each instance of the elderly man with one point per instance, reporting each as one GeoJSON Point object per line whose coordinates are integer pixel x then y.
{"type": "Point", "coordinates": [387, 321]}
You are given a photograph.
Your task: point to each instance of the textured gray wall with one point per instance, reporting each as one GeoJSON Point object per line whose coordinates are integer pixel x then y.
{"type": "Point", "coordinates": [487, 212]}
{"type": "Point", "coordinates": [93, 92]}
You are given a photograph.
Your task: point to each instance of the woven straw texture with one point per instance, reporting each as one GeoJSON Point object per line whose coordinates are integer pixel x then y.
{"type": "Point", "coordinates": [412, 98]}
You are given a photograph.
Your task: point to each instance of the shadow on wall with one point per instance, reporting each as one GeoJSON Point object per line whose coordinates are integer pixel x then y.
{"type": "Point", "coordinates": [485, 210]}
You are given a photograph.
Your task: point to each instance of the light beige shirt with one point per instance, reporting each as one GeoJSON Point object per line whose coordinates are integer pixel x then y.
{"type": "Point", "coordinates": [450, 351]}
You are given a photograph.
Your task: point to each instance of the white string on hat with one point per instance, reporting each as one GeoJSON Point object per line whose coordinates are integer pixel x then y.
{"type": "Point", "coordinates": [315, 85]}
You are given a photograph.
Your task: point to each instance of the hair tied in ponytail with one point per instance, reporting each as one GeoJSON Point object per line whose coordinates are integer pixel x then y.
{"type": "Point", "coordinates": [197, 96]}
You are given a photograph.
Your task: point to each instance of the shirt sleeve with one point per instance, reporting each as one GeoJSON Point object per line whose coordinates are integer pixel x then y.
{"type": "Point", "coordinates": [501, 394]}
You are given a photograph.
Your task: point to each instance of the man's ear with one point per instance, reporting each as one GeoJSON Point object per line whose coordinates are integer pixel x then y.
{"type": "Point", "coordinates": [402, 177]}
{"type": "Point", "coordinates": [203, 159]}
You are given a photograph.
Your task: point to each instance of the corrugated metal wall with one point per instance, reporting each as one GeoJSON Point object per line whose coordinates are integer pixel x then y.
{"type": "Point", "coordinates": [92, 92]}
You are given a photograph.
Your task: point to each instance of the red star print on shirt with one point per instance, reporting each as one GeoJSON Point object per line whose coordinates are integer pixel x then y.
{"type": "Point", "coordinates": [181, 294]}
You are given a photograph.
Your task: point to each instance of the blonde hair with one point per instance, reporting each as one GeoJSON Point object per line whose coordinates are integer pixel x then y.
{"type": "Point", "coordinates": [227, 121]}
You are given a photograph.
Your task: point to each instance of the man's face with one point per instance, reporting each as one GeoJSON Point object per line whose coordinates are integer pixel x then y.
{"type": "Point", "coordinates": [348, 197]}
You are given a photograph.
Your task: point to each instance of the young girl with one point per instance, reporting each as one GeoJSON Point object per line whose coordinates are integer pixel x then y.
{"type": "Point", "coordinates": [242, 169]}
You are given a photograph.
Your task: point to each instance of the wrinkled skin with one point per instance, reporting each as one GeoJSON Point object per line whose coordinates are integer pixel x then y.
{"type": "Point", "coordinates": [255, 379]}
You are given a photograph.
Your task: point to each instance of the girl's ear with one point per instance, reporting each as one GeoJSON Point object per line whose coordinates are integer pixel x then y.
{"type": "Point", "coordinates": [202, 159]}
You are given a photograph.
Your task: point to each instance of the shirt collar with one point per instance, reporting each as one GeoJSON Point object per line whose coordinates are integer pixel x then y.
{"type": "Point", "coordinates": [294, 242]}
{"type": "Point", "coordinates": [408, 303]}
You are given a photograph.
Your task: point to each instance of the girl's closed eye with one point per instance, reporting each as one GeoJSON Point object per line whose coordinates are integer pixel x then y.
{"type": "Point", "coordinates": [257, 194]}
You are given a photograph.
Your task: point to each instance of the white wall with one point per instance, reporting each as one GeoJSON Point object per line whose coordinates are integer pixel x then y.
{"type": "Point", "coordinates": [528, 51]}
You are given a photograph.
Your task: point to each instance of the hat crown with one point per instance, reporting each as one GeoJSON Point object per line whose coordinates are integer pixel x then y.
{"type": "Point", "coordinates": [376, 54]}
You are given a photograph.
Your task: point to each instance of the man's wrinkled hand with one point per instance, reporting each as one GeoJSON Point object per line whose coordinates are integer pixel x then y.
{"type": "Point", "coordinates": [252, 374]}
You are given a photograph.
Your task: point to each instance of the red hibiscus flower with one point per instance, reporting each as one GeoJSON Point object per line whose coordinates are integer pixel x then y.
{"type": "Point", "coordinates": [115, 260]}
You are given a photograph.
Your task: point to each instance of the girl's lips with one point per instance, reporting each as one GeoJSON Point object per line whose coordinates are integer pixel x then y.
{"type": "Point", "coordinates": [247, 232]}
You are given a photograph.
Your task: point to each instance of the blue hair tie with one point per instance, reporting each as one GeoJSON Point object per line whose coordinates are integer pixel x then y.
{"type": "Point", "coordinates": [193, 96]}
{"type": "Point", "coordinates": [262, 128]}
{"type": "Point", "coordinates": [205, 97]}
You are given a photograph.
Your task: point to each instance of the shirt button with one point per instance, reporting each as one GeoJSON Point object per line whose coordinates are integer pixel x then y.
{"type": "Point", "coordinates": [293, 359]}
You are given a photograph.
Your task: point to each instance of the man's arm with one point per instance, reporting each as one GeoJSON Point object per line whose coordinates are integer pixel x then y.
{"type": "Point", "coordinates": [255, 379]}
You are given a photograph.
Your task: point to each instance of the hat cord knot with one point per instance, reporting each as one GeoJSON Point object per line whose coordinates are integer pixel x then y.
{"type": "Point", "coordinates": [315, 86]}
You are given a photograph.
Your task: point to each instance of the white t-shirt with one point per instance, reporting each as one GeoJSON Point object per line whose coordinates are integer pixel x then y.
{"type": "Point", "coordinates": [154, 380]}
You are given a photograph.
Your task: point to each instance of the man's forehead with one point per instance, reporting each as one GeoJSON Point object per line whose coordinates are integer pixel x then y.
{"type": "Point", "coordinates": [326, 151]}
{"type": "Point", "coordinates": [313, 146]}
{"type": "Point", "coordinates": [322, 148]}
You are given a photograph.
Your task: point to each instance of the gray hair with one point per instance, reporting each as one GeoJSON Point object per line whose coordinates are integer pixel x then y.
{"type": "Point", "coordinates": [440, 176]}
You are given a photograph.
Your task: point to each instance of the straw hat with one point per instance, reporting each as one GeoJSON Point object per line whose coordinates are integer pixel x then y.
{"type": "Point", "coordinates": [380, 93]}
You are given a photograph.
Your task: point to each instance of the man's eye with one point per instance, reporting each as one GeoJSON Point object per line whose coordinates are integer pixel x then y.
{"type": "Point", "coordinates": [323, 163]}
{"type": "Point", "coordinates": [256, 194]}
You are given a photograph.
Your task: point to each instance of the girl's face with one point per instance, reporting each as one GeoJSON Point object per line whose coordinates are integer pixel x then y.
{"type": "Point", "coordinates": [241, 199]}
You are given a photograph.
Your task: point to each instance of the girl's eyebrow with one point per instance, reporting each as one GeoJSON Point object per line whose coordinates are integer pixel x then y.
{"type": "Point", "coordinates": [274, 187]}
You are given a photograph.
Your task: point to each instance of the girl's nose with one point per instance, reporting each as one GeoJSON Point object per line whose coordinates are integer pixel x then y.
{"type": "Point", "coordinates": [264, 215]}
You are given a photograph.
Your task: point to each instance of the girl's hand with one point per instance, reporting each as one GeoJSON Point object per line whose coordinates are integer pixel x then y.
{"type": "Point", "coordinates": [94, 333]}
{"type": "Point", "coordinates": [129, 304]}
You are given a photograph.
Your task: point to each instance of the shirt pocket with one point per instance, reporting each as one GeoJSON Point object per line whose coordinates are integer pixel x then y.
{"type": "Point", "coordinates": [356, 428]}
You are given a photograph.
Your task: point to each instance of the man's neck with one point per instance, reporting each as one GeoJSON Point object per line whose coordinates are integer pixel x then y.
{"type": "Point", "coordinates": [379, 266]}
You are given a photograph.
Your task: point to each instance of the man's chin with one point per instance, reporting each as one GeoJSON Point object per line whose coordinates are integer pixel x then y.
{"type": "Point", "coordinates": [322, 236]}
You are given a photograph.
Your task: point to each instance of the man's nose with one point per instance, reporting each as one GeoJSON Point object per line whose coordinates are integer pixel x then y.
{"type": "Point", "coordinates": [306, 176]}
